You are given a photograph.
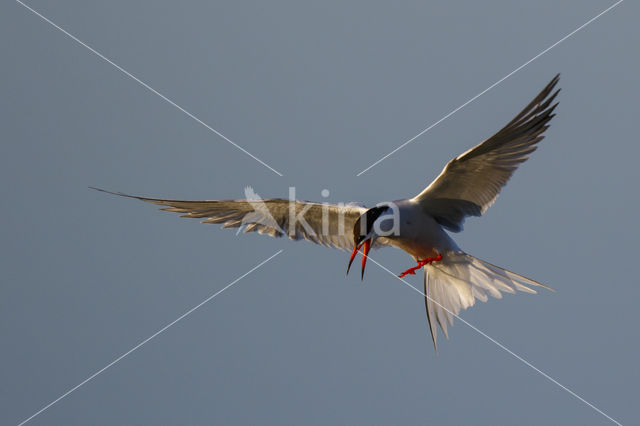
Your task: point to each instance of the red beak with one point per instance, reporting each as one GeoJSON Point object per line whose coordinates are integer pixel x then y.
{"type": "Point", "coordinates": [365, 253]}
{"type": "Point", "coordinates": [367, 246]}
{"type": "Point", "coordinates": [353, 256]}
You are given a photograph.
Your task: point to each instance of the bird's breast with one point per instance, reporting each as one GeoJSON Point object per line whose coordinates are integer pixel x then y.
{"type": "Point", "coordinates": [420, 235]}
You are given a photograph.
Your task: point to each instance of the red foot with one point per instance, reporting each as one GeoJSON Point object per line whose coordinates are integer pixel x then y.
{"type": "Point", "coordinates": [421, 263]}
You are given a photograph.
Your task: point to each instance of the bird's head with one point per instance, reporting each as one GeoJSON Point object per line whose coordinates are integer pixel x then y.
{"type": "Point", "coordinates": [364, 234]}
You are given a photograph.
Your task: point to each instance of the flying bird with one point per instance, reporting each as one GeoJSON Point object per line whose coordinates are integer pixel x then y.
{"type": "Point", "coordinates": [467, 186]}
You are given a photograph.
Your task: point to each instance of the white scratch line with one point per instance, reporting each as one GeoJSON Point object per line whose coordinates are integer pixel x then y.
{"type": "Point", "coordinates": [146, 86]}
{"type": "Point", "coordinates": [491, 87]}
{"type": "Point", "coordinates": [500, 345]}
{"type": "Point", "coordinates": [190, 311]}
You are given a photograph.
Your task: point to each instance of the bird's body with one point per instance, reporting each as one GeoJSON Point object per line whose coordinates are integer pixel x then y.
{"type": "Point", "coordinates": [467, 186]}
{"type": "Point", "coordinates": [420, 234]}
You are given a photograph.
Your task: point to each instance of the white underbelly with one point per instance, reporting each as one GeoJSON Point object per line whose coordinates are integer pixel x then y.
{"type": "Point", "coordinates": [421, 236]}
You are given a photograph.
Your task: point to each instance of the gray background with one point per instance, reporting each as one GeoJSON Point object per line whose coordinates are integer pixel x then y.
{"type": "Point", "coordinates": [319, 91]}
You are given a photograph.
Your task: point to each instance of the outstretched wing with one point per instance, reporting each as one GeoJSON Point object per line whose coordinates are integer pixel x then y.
{"type": "Point", "coordinates": [471, 182]}
{"type": "Point", "coordinates": [322, 223]}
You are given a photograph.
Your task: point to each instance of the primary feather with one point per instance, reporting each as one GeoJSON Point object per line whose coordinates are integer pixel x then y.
{"type": "Point", "coordinates": [271, 217]}
{"type": "Point", "coordinates": [471, 182]}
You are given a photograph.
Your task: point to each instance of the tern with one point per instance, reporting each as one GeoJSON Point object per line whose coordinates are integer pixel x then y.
{"type": "Point", "coordinates": [467, 186]}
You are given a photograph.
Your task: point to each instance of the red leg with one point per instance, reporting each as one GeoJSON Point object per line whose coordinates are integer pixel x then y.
{"type": "Point", "coordinates": [421, 263]}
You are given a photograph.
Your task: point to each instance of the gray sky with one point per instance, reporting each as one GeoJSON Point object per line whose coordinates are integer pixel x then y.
{"type": "Point", "coordinates": [319, 92]}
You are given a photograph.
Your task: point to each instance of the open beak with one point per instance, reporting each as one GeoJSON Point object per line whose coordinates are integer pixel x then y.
{"type": "Point", "coordinates": [366, 246]}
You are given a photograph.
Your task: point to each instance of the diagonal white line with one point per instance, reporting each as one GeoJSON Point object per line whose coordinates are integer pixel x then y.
{"type": "Point", "coordinates": [501, 346]}
{"type": "Point", "coordinates": [146, 86]}
{"type": "Point", "coordinates": [491, 87]}
{"type": "Point", "coordinates": [280, 251]}
{"type": "Point", "coordinates": [189, 312]}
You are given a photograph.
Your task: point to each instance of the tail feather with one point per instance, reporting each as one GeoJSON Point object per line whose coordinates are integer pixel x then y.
{"type": "Point", "coordinates": [458, 280]}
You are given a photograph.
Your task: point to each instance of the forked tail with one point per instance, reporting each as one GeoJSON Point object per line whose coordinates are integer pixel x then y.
{"type": "Point", "coordinates": [458, 280]}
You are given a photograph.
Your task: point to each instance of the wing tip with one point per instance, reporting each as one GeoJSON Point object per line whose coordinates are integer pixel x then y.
{"type": "Point", "coordinates": [120, 194]}
{"type": "Point", "coordinates": [554, 81]}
